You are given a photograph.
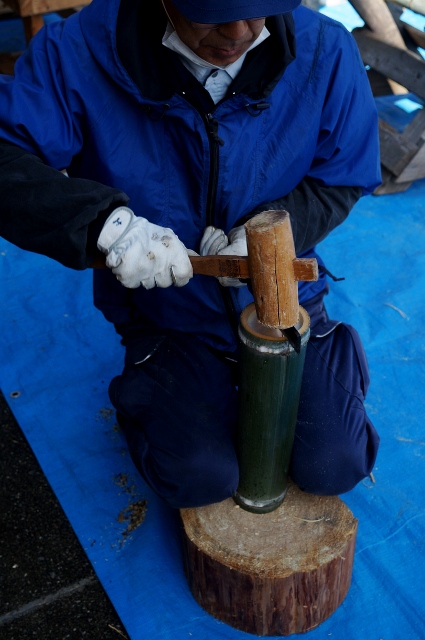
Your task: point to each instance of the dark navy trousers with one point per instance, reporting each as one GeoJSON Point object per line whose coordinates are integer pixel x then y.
{"type": "Point", "coordinates": [176, 403]}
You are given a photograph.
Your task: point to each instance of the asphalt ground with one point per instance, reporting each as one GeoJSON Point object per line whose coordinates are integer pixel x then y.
{"type": "Point", "coordinates": [48, 589]}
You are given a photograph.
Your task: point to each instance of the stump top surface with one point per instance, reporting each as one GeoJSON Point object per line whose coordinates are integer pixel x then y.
{"type": "Point", "coordinates": [304, 533]}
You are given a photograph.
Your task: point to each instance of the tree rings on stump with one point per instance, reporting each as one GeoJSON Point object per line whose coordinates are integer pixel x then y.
{"type": "Point", "coordinates": [271, 574]}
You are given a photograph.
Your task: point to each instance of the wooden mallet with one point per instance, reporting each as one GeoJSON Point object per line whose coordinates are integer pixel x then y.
{"type": "Point", "coordinates": [273, 268]}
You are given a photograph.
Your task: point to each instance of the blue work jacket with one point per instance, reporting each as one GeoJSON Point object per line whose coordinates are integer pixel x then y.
{"type": "Point", "coordinates": [73, 103]}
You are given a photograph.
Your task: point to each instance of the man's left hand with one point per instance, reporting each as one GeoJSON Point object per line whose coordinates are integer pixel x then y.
{"type": "Point", "coordinates": [215, 242]}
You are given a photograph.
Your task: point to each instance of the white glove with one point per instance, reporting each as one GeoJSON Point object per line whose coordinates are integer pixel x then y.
{"type": "Point", "coordinates": [142, 253]}
{"type": "Point", "coordinates": [215, 242]}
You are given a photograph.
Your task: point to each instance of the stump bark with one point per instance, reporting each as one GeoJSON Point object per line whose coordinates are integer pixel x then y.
{"type": "Point", "coordinates": [271, 574]}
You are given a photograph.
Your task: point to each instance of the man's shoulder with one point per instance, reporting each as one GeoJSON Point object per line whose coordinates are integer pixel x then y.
{"type": "Point", "coordinates": [309, 20]}
{"type": "Point", "coordinates": [319, 35]}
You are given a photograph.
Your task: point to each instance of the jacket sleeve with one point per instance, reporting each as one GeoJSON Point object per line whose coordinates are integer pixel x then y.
{"type": "Point", "coordinates": [315, 210]}
{"type": "Point", "coordinates": [46, 212]}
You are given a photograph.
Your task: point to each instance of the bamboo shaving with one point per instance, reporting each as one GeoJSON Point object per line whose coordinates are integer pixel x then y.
{"type": "Point", "coordinates": [403, 315]}
{"type": "Point", "coordinates": [118, 631]}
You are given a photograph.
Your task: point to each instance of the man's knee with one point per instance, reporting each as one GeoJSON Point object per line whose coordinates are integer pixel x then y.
{"type": "Point", "coordinates": [188, 476]}
{"type": "Point", "coordinates": [337, 463]}
{"type": "Point", "coordinates": [335, 443]}
{"type": "Point", "coordinates": [177, 409]}
{"type": "Point", "coordinates": [196, 479]}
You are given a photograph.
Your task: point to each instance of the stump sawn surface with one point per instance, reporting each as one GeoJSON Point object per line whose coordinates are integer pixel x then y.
{"type": "Point", "coordinates": [271, 574]}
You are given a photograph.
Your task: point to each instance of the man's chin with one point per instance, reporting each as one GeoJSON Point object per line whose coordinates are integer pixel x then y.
{"type": "Point", "coordinates": [221, 57]}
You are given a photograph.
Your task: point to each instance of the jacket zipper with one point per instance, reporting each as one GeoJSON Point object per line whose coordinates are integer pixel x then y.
{"type": "Point", "coordinates": [216, 141]}
{"type": "Point", "coordinates": [212, 129]}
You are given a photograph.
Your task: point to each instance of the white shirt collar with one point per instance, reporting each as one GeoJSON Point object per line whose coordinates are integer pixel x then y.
{"type": "Point", "coordinates": [199, 67]}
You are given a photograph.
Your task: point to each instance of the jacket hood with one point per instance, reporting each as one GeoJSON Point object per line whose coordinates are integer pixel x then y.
{"type": "Point", "coordinates": [98, 22]}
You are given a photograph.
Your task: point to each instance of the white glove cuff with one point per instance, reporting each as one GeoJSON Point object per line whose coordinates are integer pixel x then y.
{"type": "Point", "coordinates": [115, 227]}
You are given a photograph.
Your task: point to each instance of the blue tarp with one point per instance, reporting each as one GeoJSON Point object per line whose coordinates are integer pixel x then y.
{"type": "Point", "coordinates": [58, 354]}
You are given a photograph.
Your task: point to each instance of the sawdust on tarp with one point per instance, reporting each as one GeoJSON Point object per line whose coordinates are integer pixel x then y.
{"type": "Point", "coordinates": [106, 413]}
{"type": "Point", "coordinates": [134, 513]}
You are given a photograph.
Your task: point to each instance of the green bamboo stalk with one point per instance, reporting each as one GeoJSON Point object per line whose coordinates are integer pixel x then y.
{"type": "Point", "coordinates": [269, 389]}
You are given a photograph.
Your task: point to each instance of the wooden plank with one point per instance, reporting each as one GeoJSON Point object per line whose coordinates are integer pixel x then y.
{"type": "Point", "coordinates": [415, 170]}
{"type": "Point", "coordinates": [414, 5]}
{"type": "Point", "coordinates": [400, 65]}
{"type": "Point", "coordinates": [378, 19]}
{"type": "Point", "coordinates": [379, 84]}
{"type": "Point", "coordinates": [415, 129]}
{"type": "Point", "coordinates": [13, 4]}
{"type": "Point", "coordinates": [389, 185]}
{"type": "Point", "coordinates": [4, 10]}
{"type": "Point", "coordinates": [396, 151]}
{"type": "Point", "coordinates": [418, 36]}
{"type": "Point", "coordinates": [402, 153]}
{"type": "Point", "coordinates": [26, 8]}
{"type": "Point", "coordinates": [32, 24]}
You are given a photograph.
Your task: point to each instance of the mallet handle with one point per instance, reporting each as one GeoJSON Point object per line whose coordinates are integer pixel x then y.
{"type": "Point", "coordinates": [238, 267]}
{"type": "Point", "coordinates": [235, 267]}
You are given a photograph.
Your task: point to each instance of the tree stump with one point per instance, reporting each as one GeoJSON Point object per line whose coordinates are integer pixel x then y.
{"type": "Point", "coordinates": [271, 574]}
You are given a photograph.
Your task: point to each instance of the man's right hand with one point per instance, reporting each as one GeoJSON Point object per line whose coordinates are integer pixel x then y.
{"type": "Point", "coordinates": [142, 253]}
